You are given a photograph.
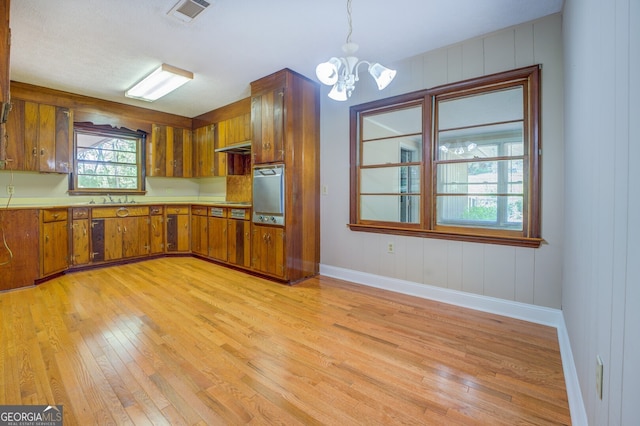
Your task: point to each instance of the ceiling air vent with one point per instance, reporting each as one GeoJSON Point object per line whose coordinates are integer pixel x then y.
{"type": "Point", "coordinates": [187, 10]}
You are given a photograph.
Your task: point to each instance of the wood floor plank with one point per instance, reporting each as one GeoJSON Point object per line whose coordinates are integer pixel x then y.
{"type": "Point", "coordinates": [184, 341]}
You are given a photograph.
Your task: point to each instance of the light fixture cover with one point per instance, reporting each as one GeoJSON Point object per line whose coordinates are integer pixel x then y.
{"type": "Point", "coordinates": [163, 80]}
{"type": "Point", "coordinates": [382, 75]}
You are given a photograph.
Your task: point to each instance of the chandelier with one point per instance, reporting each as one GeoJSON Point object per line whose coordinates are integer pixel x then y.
{"type": "Point", "coordinates": [342, 73]}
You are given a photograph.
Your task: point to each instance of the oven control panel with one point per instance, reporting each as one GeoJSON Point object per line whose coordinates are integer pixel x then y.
{"type": "Point", "coordinates": [269, 219]}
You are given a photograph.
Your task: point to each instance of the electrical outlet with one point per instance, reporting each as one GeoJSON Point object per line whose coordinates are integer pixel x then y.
{"type": "Point", "coordinates": [390, 247]}
{"type": "Point", "coordinates": [11, 189]}
{"type": "Point", "coordinates": [325, 190]}
{"type": "Point", "coordinates": [599, 375]}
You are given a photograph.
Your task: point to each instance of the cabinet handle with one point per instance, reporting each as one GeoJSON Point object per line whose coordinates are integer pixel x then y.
{"type": "Point", "coordinates": [55, 215]}
{"type": "Point", "coordinates": [34, 152]}
{"type": "Point", "coordinates": [119, 229]}
{"type": "Point", "coordinates": [42, 151]}
{"type": "Point", "coordinates": [46, 238]}
{"type": "Point", "coordinates": [122, 212]}
{"type": "Point", "coordinates": [84, 230]}
{"type": "Point", "coordinates": [125, 230]}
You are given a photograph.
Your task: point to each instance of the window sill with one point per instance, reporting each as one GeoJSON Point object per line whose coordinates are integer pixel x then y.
{"type": "Point", "coordinates": [473, 238]}
{"type": "Point", "coordinates": [103, 192]}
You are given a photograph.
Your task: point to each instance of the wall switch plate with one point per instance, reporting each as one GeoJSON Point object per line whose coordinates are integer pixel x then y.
{"type": "Point", "coordinates": [599, 375]}
{"type": "Point", "coordinates": [390, 247]}
{"type": "Point", "coordinates": [325, 190]}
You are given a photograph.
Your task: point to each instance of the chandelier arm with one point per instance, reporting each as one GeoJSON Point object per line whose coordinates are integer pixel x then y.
{"type": "Point", "coordinates": [355, 69]}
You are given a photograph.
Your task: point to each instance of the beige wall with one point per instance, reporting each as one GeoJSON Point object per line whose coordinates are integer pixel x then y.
{"type": "Point", "coordinates": [518, 274]}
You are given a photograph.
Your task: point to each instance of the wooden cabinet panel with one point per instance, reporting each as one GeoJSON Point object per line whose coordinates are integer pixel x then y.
{"type": "Point", "coordinates": [199, 230]}
{"type": "Point", "coordinates": [203, 146]}
{"type": "Point", "coordinates": [267, 245]}
{"type": "Point", "coordinates": [18, 248]}
{"type": "Point", "coordinates": [156, 230]}
{"type": "Point", "coordinates": [97, 240]}
{"type": "Point", "coordinates": [135, 236]}
{"type": "Point", "coordinates": [268, 126]}
{"type": "Point", "coordinates": [239, 242]}
{"type": "Point", "coordinates": [54, 241]}
{"type": "Point", "coordinates": [80, 242]}
{"type": "Point", "coordinates": [218, 238]}
{"type": "Point", "coordinates": [16, 154]}
{"type": "Point", "coordinates": [112, 239]}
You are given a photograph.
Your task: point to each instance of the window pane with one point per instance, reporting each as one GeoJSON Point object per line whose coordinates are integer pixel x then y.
{"type": "Point", "coordinates": [399, 122]}
{"type": "Point", "coordinates": [390, 208]}
{"type": "Point", "coordinates": [107, 159]}
{"type": "Point", "coordinates": [490, 107]}
{"type": "Point", "coordinates": [481, 177]}
{"type": "Point", "coordinates": [498, 140]}
{"type": "Point", "coordinates": [404, 149]}
{"type": "Point", "coordinates": [394, 180]}
{"type": "Point", "coordinates": [503, 212]}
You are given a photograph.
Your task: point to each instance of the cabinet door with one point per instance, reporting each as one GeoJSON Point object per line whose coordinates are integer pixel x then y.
{"type": "Point", "coordinates": [218, 238]}
{"type": "Point", "coordinates": [203, 143]}
{"type": "Point", "coordinates": [47, 138]}
{"type": "Point", "coordinates": [239, 242]}
{"type": "Point", "coordinates": [268, 126]}
{"type": "Point", "coordinates": [31, 127]}
{"type": "Point", "coordinates": [182, 153]}
{"type": "Point", "coordinates": [18, 248]}
{"type": "Point", "coordinates": [178, 232]}
{"type": "Point", "coordinates": [112, 239]}
{"type": "Point", "coordinates": [63, 140]}
{"type": "Point", "coordinates": [80, 242]}
{"type": "Point", "coordinates": [157, 234]}
{"type": "Point", "coordinates": [267, 246]}
{"type": "Point", "coordinates": [16, 155]}
{"type": "Point", "coordinates": [199, 235]}
{"type": "Point", "coordinates": [135, 236]}
{"type": "Point", "coordinates": [157, 151]}
{"type": "Point", "coordinates": [97, 240]}
{"type": "Point", "coordinates": [55, 249]}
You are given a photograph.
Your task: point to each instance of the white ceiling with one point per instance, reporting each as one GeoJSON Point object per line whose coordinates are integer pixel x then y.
{"type": "Point", "coordinates": [100, 48]}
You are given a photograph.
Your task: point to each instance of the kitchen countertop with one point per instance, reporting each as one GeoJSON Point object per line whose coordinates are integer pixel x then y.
{"type": "Point", "coordinates": [42, 205]}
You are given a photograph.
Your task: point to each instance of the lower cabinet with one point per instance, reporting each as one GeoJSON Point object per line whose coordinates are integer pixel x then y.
{"type": "Point", "coordinates": [239, 242]}
{"type": "Point", "coordinates": [54, 241]}
{"type": "Point", "coordinates": [18, 248]}
{"type": "Point", "coordinates": [177, 229]}
{"type": "Point", "coordinates": [218, 238]}
{"type": "Point", "coordinates": [156, 237]}
{"type": "Point", "coordinates": [199, 230]}
{"type": "Point", "coordinates": [120, 233]}
{"type": "Point", "coordinates": [267, 245]}
{"type": "Point", "coordinates": [80, 253]}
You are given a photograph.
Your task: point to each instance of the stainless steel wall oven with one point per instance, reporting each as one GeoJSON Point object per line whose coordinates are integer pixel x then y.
{"type": "Point", "coordinates": [268, 194]}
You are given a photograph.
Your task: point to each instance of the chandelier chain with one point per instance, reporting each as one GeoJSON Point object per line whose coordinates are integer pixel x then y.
{"type": "Point", "coordinates": [350, 22]}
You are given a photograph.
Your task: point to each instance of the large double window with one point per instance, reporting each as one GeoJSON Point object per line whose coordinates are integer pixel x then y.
{"type": "Point", "coordinates": [108, 160]}
{"type": "Point", "coordinates": [458, 161]}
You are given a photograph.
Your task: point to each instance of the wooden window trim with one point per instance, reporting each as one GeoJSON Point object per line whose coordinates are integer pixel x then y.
{"type": "Point", "coordinates": [529, 236]}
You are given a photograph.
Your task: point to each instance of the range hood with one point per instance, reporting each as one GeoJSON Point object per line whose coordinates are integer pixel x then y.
{"type": "Point", "coordinates": [238, 148]}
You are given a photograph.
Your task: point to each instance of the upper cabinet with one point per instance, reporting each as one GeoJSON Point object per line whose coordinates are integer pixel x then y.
{"type": "Point", "coordinates": [268, 123]}
{"type": "Point", "coordinates": [203, 146]}
{"type": "Point", "coordinates": [169, 152]}
{"type": "Point", "coordinates": [39, 137]}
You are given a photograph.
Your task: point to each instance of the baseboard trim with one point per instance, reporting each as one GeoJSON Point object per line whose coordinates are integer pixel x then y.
{"type": "Point", "coordinates": [523, 311]}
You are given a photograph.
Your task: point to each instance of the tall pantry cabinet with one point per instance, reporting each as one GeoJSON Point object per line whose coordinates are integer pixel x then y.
{"type": "Point", "coordinates": [285, 116]}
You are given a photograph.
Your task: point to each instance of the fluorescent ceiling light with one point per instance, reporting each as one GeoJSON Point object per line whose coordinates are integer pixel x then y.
{"type": "Point", "coordinates": [160, 82]}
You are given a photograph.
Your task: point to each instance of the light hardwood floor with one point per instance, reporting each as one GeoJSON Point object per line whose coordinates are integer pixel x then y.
{"type": "Point", "coordinates": [184, 341]}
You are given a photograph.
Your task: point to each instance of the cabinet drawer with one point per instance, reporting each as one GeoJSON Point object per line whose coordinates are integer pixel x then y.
{"type": "Point", "coordinates": [102, 212]}
{"type": "Point", "coordinates": [218, 211]}
{"type": "Point", "coordinates": [54, 215]}
{"type": "Point", "coordinates": [156, 210]}
{"type": "Point", "coordinates": [199, 210]}
{"type": "Point", "coordinates": [82, 213]}
{"type": "Point", "coordinates": [177, 209]}
{"type": "Point", "coordinates": [239, 214]}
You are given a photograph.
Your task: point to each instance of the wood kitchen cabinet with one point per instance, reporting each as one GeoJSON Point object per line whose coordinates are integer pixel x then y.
{"type": "Point", "coordinates": [218, 234]}
{"type": "Point", "coordinates": [285, 108]}
{"type": "Point", "coordinates": [177, 230]}
{"type": "Point", "coordinates": [120, 232]}
{"type": "Point", "coordinates": [203, 146]}
{"type": "Point", "coordinates": [39, 137]}
{"type": "Point", "coordinates": [54, 241]}
{"type": "Point", "coordinates": [239, 237]}
{"type": "Point", "coordinates": [268, 125]}
{"type": "Point", "coordinates": [268, 248]}
{"type": "Point", "coordinates": [169, 152]}
{"type": "Point", "coordinates": [80, 237]}
{"type": "Point", "coordinates": [156, 217]}
{"type": "Point", "coordinates": [19, 266]}
{"type": "Point", "coordinates": [199, 230]}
